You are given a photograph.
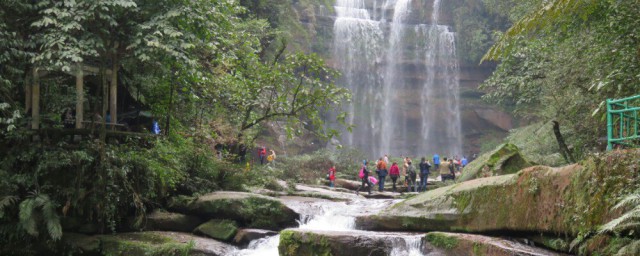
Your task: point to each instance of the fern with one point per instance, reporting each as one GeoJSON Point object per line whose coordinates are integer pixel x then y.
{"type": "Point", "coordinates": [40, 208]}
{"type": "Point", "coordinates": [6, 202]}
{"type": "Point", "coordinates": [628, 221]}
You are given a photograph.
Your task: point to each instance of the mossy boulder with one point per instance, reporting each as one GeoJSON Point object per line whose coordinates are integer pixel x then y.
{"type": "Point", "coordinates": [295, 242]}
{"type": "Point", "coordinates": [506, 159]}
{"type": "Point", "coordinates": [454, 244]}
{"type": "Point", "coordinates": [567, 201]}
{"type": "Point", "coordinates": [249, 210]}
{"type": "Point", "coordinates": [170, 221]}
{"type": "Point", "coordinates": [147, 243]}
{"type": "Point", "coordinates": [223, 230]}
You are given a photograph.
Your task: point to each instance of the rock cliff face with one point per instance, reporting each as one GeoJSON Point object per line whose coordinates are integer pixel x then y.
{"type": "Point", "coordinates": [478, 119]}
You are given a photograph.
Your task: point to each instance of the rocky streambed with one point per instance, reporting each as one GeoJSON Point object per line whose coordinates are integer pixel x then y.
{"type": "Point", "coordinates": [536, 211]}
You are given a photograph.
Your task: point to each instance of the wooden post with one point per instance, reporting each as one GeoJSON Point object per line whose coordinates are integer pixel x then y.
{"type": "Point", "coordinates": [79, 96]}
{"type": "Point", "coordinates": [27, 93]}
{"type": "Point", "coordinates": [113, 91]}
{"type": "Point", "coordinates": [35, 101]}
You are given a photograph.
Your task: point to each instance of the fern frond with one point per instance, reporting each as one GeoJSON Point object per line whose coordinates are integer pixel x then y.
{"type": "Point", "coordinates": [6, 202]}
{"type": "Point", "coordinates": [26, 216]}
{"type": "Point", "coordinates": [629, 200]}
{"type": "Point", "coordinates": [51, 218]}
{"type": "Point", "coordinates": [622, 222]}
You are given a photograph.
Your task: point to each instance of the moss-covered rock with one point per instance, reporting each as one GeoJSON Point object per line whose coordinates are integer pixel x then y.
{"type": "Point", "coordinates": [223, 230]}
{"type": "Point", "coordinates": [295, 242]}
{"type": "Point", "coordinates": [467, 244]}
{"type": "Point", "coordinates": [142, 243]}
{"type": "Point", "coordinates": [147, 244]}
{"type": "Point", "coordinates": [250, 210]}
{"type": "Point", "coordinates": [506, 159]}
{"type": "Point", "coordinates": [567, 202]}
{"type": "Point", "coordinates": [170, 221]}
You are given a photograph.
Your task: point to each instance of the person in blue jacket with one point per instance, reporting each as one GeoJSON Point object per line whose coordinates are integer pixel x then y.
{"type": "Point", "coordinates": [436, 161]}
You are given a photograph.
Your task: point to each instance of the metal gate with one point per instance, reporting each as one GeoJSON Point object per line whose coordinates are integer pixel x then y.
{"type": "Point", "coordinates": [622, 122]}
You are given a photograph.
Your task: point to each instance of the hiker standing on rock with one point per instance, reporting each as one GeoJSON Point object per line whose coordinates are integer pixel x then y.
{"type": "Point", "coordinates": [332, 176]}
{"type": "Point", "coordinates": [382, 173]}
{"type": "Point", "coordinates": [394, 172]}
{"type": "Point", "coordinates": [411, 174]}
{"type": "Point", "coordinates": [364, 175]}
{"type": "Point", "coordinates": [424, 174]}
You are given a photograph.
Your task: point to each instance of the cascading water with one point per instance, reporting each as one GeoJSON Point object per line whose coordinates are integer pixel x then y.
{"type": "Point", "coordinates": [403, 75]}
{"type": "Point", "coordinates": [337, 216]}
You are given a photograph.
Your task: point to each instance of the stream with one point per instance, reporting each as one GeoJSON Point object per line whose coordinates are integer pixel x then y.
{"type": "Point", "coordinates": [325, 215]}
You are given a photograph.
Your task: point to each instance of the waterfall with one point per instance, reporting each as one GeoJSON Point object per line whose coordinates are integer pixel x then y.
{"type": "Point", "coordinates": [404, 77]}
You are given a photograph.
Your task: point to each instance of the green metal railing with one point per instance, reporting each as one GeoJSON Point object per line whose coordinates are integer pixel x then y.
{"type": "Point", "coordinates": [622, 122]}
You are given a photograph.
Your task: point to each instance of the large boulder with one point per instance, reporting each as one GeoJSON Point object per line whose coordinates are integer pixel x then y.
{"type": "Point", "coordinates": [223, 230]}
{"type": "Point", "coordinates": [147, 243]}
{"type": "Point", "coordinates": [506, 159]}
{"type": "Point", "coordinates": [250, 210]}
{"type": "Point", "coordinates": [295, 242]}
{"type": "Point", "coordinates": [563, 201]}
{"type": "Point", "coordinates": [170, 221]}
{"type": "Point", "coordinates": [453, 244]}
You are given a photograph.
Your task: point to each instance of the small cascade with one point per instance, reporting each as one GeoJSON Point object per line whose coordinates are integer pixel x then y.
{"type": "Point", "coordinates": [410, 246]}
{"type": "Point", "coordinates": [337, 216]}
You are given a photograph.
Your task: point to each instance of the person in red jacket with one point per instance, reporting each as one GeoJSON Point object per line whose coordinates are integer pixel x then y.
{"type": "Point", "coordinates": [332, 176]}
{"type": "Point", "coordinates": [263, 154]}
{"type": "Point", "coordinates": [394, 172]}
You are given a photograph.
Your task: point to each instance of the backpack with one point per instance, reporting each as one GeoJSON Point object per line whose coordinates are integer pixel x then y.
{"type": "Point", "coordinates": [361, 174]}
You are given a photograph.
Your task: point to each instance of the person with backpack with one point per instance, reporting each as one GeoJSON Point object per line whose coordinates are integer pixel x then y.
{"type": "Point", "coordinates": [382, 173]}
{"type": "Point", "coordinates": [364, 176]}
{"type": "Point", "coordinates": [445, 170]}
{"type": "Point", "coordinates": [411, 174]}
{"type": "Point", "coordinates": [424, 174]}
{"type": "Point", "coordinates": [394, 172]}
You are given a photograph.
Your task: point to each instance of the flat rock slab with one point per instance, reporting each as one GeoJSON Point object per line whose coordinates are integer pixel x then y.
{"type": "Point", "coordinates": [455, 244]}
{"type": "Point", "coordinates": [245, 236]}
{"type": "Point", "coordinates": [248, 209]}
{"type": "Point", "coordinates": [298, 242]}
{"type": "Point", "coordinates": [148, 243]}
{"type": "Point", "coordinates": [170, 221]}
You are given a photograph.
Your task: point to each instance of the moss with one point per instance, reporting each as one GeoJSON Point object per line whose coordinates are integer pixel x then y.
{"type": "Point", "coordinates": [223, 230]}
{"type": "Point", "coordinates": [479, 249]}
{"type": "Point", "coordinates": [297, 243]}
{"type": "Point", "coordinates": [142, 244]}
{"type": "Point", "coordinates": [441, 240]}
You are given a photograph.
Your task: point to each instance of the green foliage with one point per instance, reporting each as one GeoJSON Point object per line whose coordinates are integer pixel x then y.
{"type": "Point", "coordinates": [442, 241]}
{"type": "Point", "coordinates": [562, 60]}
{"type": "Point", "coordinates": [313, 168]}
{"type": "Point", "coordinates": [629, 220]}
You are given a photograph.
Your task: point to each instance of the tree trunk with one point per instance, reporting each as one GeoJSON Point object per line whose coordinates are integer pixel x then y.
{"type": "Point", "coordinates": [105, 103]}
{"type": "Point", "coordinates": [27, 92]}
{"type": "Point", "coordinates": [168, 121]}
{"type": "Point", "coordinates": [564, 150]}
{"type": "Point", "coordinates": [35, 101]}
{"type": "Point", "coordinates": [113, 104]}
{"type": "Point", "coordinates": [79, 97]}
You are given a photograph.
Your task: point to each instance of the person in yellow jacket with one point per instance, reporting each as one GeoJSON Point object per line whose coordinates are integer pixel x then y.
{"type": "Point", "coordinates": [446, 170]}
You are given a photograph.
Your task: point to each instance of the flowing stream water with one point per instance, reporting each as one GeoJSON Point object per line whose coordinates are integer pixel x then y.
{"type": "Point", "coordinates": [337, 216]}
{"type": "Point", "coordinates": [404, 77]}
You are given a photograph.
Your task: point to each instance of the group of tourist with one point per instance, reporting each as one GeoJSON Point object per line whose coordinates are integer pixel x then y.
{"type": "Point", "coordinates": [447, 168]}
